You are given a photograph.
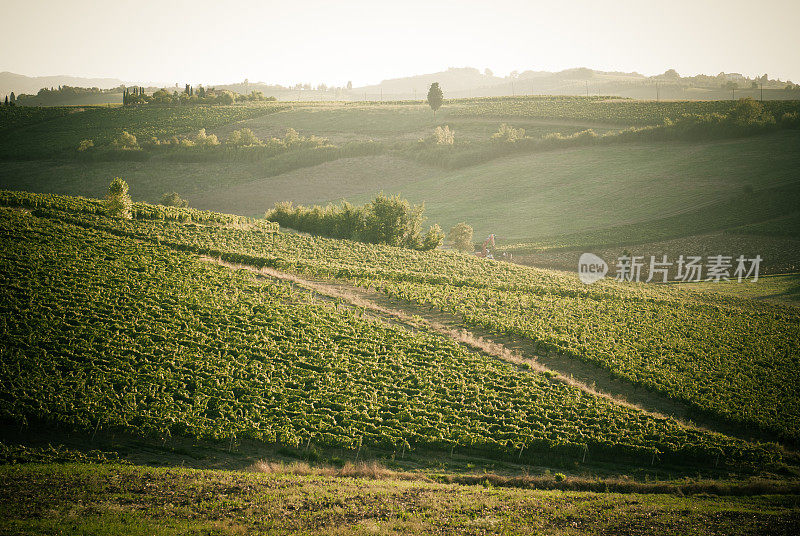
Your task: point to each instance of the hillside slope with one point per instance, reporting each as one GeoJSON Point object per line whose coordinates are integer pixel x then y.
{"type": "Point", "coordinates": [133, 336]}
{"type": "Point", "coordinates": [716, 353]}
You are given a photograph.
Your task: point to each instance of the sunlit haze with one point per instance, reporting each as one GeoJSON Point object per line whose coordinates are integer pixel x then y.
{"type": "Point", "coordinates": [203, 41]}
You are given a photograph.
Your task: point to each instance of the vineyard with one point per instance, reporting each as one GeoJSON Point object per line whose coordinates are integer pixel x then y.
{"type": "Point", "coordinates": [14, 117]}
{"type": "Point", "coordinates": [104, 332]}
{"type": "Point", "coordinates": [38, 133]}
{"type": "Point", "coordinates": [139, 211]}
{"type": "Point", "coordinates": [599, 109]}
{"type": "Point", "coordinates": [685, 169]}
{"type": "Point", "coordinates": [732, 358]}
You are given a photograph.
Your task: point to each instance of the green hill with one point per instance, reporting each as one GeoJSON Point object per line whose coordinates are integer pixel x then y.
{"type": "Point", "coordinates": [620, 327]}
{"type": "Point", "coordinates": [581, 193]}
{"type": "Point", "coordinates": [188, 337]}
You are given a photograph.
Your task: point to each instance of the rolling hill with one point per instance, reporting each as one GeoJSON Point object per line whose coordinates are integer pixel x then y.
{"type": "Point", "coordinates": [638, 191]}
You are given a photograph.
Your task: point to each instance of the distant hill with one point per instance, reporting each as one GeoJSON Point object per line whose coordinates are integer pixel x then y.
{"type": "Point", "coordinates": [464, 82]}
{"type": "Point", "coordinates": [19, 83]}
{"type": "Point", "coordinates": [455, 79]}
{"type": "Point", "coordinates": [470, 82]}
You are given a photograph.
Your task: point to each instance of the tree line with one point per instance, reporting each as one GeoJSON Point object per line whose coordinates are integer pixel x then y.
{"type": "Point", "coordinates": [137, 95]}
{"type": "Point", "coordinates": [385, 220]}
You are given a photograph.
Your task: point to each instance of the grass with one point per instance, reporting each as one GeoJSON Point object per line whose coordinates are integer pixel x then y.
{"type": "Point", "coordinates": [601, 187]}
{"type": "Point", "coordinates": [393, 122]}
{"type": "Point", "coordinates": [519, 199]}
{"type": "Point", "coordinates": [111, 500]}
{"type": "Point", "coordinates": [779, 288]}
{"type": "Point", "coordinates": [788, 225]}
{"type": "Point", "coordinates": [734, 212]}
{"type": "Point", "coordinates": [779, 254]}
{"type": "Point", "coordinates": [605, 190]}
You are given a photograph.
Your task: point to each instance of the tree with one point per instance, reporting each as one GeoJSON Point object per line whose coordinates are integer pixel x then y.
{"type": "Point", "coordinates": [488, 72]}
{"type": "Point", "coordinates": [226, 97]}
{"type": "Point", "coordinates": [6, 101]}
{"type": "Point", "coordinates": [671, 74]}
{"type": "Point", "coordinates": [125, 140]}
{"type": "Point", "coordinates": [733, 86]}
{"type": "Point", "coordinates": [435, 97]}
{"type": "Point", "coordinates": [162, 96]}
{"type": "Point", "coordinates": [461, 237]}
{"type": "Point", "coordinates": [172, 199]}
{"type": "Point", "coordinates": [13, 99]}
{"type": "Point", "coordinates": [386, 220]}
{"type": "Point", "coordinates": [433, 238]}
{"type": "Point", "coordinates": [393, 221]}
{"type": "Point", "coordinates": [349, 84]}
{"type": "Point", "coordinates": [119, 202]}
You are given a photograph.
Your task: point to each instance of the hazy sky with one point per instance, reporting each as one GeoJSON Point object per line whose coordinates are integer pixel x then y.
{"type": "Point", "coordinates": [216, 41]}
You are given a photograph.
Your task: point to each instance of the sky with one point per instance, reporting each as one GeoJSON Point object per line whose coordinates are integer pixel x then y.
{"type": "Point", "coordinates": [213, 41]}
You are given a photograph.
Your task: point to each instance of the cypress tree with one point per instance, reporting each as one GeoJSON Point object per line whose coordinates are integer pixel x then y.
{"type": "Point", "coordinates": [435, 97]}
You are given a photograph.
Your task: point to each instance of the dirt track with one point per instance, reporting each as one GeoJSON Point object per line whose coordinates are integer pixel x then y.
{"type": "Point", "coordinates": [586, 376]}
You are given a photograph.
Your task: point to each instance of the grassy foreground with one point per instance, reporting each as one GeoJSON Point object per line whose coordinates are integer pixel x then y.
{"type": "Point", "coordinates": [115, 499]}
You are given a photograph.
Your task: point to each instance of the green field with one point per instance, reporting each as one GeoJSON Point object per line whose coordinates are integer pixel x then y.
{"type": "Point", "coordinates": [123, 342]}
{"type": "Point", "coordinates": [115, 500]}
{"type": "Point", "coordinates": [613, 193]}
{"type": "Point", "coordinates": [288, 383]}
{"type": "Point", "coordinates": [602, 187]}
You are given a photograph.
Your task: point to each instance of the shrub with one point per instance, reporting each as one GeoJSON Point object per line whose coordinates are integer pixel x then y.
{"type": "Point", "coordinates": [790, 120]}
{"type": "Point", "coordinates": [433, 238]}
{"type": "Point", "coordinates": [119, 202]}
{"type": "Point", "coordinates": [125, 140]}
{"type": "Point", "coordinates": [444, 136]}
{"type": "Point", "coordinates": [203, 139]}
{"type": "Point", "coordinates": [508, 134]}
{"type": "Point", "coordinates": [460, 236]}
{"type": "Point", "coordinates": [748, 112]}
{"type": "Point", "coordinates": [244, 138]}
{"type": "Point", "coordinates": [172, 199]}
{"type": "Point", "coordinates": [85, 145]}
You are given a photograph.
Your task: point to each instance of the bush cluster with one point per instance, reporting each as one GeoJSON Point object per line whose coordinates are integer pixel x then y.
{"type": "Point", "coordinates": [747, 118]}
{"type": "Point", "coordinates": [386, 220]}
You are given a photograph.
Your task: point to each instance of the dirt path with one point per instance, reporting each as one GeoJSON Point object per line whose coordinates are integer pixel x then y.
{"type": "Point", "coordinates": [585, 376]}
